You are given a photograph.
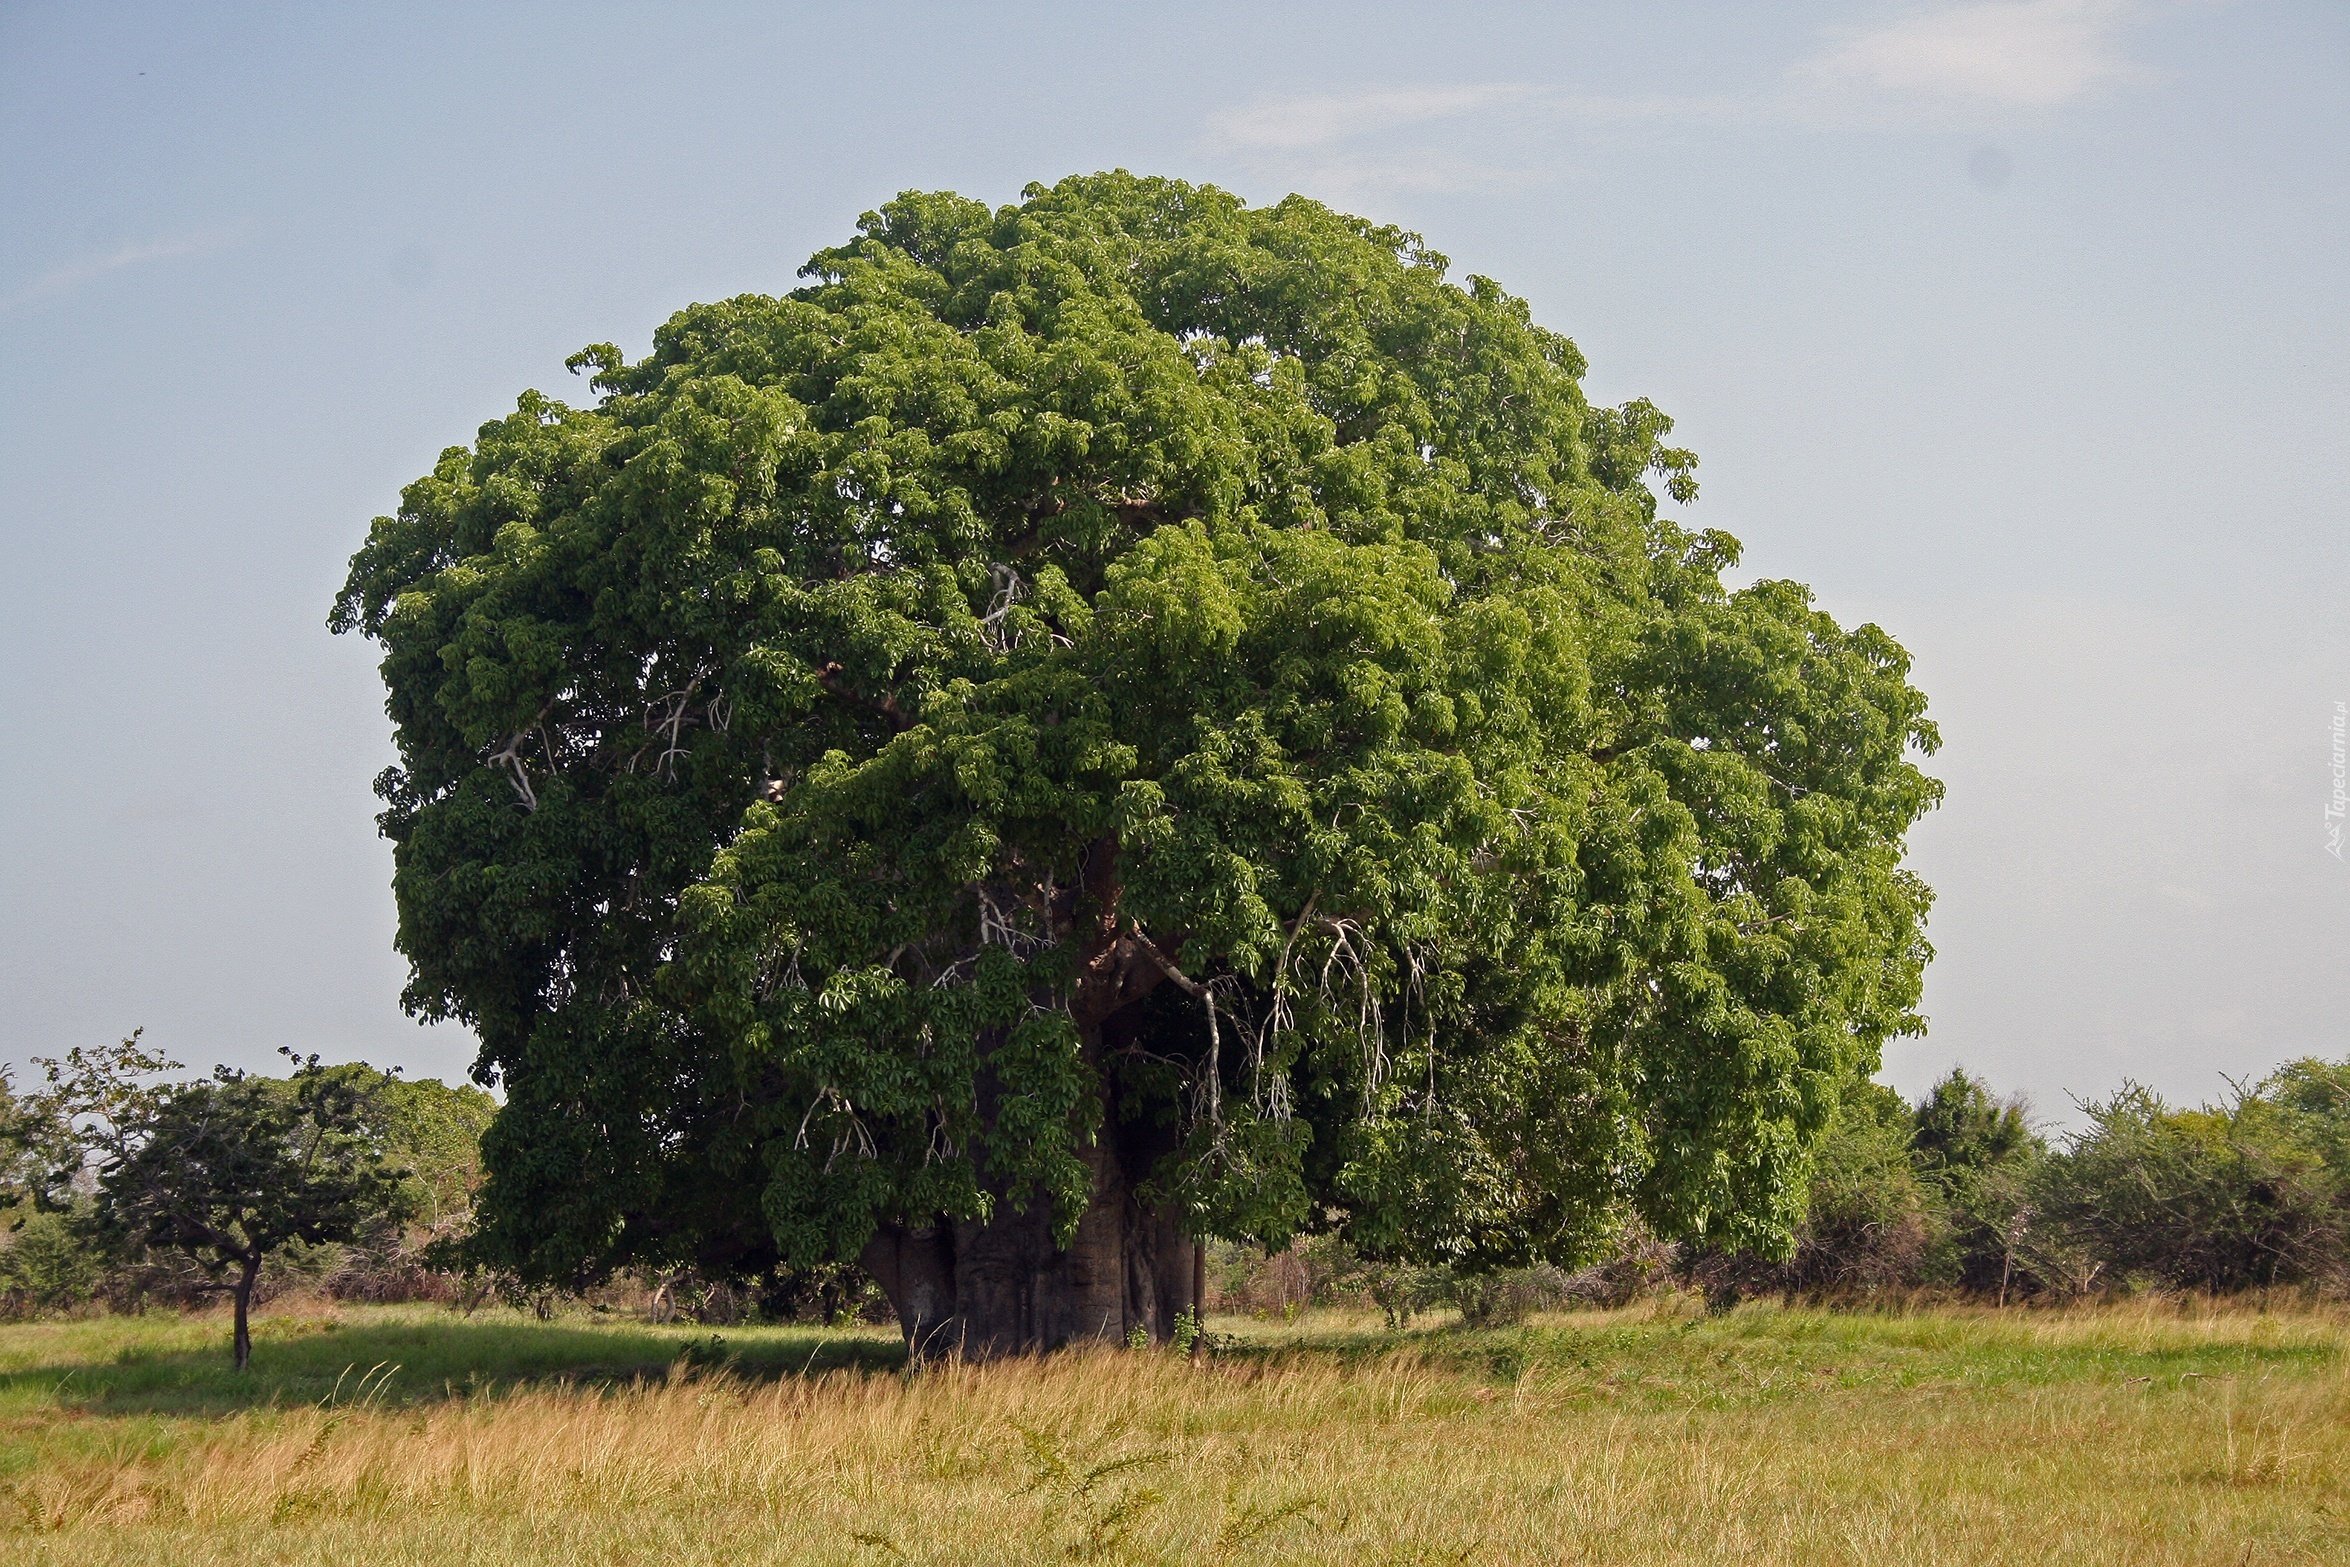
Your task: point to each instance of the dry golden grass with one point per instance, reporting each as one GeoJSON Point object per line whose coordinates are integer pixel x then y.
{"type": "Point", "coordinates": [2141, 1434]}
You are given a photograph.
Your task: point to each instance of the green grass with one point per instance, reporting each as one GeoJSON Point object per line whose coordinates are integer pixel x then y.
{"type": "Point", "coordinates": [2155, 1432]}
{"type": "Point", "coordinates": [174, 1365]}
{"type": "Point", "coordinates": [119, 1386]}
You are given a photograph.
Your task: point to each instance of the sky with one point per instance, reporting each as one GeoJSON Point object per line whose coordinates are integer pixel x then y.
{"type": "Point", "coordinates": [2017, 328]}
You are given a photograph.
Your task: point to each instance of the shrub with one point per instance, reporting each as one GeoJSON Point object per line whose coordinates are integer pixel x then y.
{"type": "Point", "coordinates": [1871, 1220]}
{"type": "Point", "coordinates": [1958, 1125]}
{"type": "Point", "coordinates": [1871, 1225]}
{"type": "Point", "coordinates": [47, 1265]}
{"type": "Point", "coordinates": [1505, 1299]}
{"type": "Point", "coordinates": [1314, 1270]}
{"type": "Point", "coordinates": [1638, 1262]}
{"type": "Point", "coordinates": [2226, 1198]}
{"type": "Point", "coordinates": [1403, 1290]}
{"type": "Point", "coordinates": [2314, 1096]}
{"type": "Point", "coordinates": [1976, 1155]}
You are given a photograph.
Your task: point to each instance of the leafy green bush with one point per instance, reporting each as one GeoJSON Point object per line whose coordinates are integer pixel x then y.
{"type": "Point", "coordinates": [1403, 1290]}
{"type": "Point", "coordinates": [2231, 1197]}
{"type": "Point", "coordinates": [1976, 1155]}
{"type": "Point", "coordinates": [48, 1265]}
{"type": "Point", "coordinates": [1505, 1299]}
{"type": "Point", "coordinates": [432, 1132]}
{"type": "Point", "coordinates": [2314, 1096]}
{"type": "Point", "coordinates": [1872, 1221]}
{"type": "Point", "coordinates": [1958, 1125]}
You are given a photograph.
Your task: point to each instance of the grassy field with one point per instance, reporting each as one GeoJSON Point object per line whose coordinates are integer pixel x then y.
{"type": "Point", "coordinates": [2151, 1433]}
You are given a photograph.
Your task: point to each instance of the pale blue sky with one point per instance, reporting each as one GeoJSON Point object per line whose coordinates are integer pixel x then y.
{"type": "Point", "coordinates": [2018, 328]}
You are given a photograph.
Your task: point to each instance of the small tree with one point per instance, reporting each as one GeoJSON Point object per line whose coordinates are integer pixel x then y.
{"type": "Point", "coordinates": [434, 1132]}
{"type": "Point", "coordinates": [1958, 1125]}
{"type": "Point", "coordinates": [1979, 1153]}
{"type": "Point", "coordinates": [223, 1171]}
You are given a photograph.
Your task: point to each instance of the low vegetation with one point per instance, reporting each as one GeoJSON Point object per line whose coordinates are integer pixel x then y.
{"type": "Point", "coordinates": [1958, 1192]}
{"type": "Point", "coordinates": [2123, 1346]}
{"type": "Point", "coordinates": [1956, 1197]}
{"type": "Point", "coordinates": [2161, 1431]}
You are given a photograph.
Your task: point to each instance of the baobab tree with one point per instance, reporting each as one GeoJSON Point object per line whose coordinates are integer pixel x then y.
{"type": "Point", "coordinates": [1118, 719]}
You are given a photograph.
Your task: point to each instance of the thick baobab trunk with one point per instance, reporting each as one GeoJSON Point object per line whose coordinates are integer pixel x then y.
{"type": "Point", "coordinates": [1005, 1287]}
{"type": "Point", "coordinates": [248, 1270]}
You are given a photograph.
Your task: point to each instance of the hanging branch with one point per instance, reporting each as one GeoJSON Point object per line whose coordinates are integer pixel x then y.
{"type": "Point", "coordinates": [855, 1134]}
{"type": "Point", "coordinates": [509, 756]}
{"type": "Point", "coordinates": [1347, 952]}
{"type": "Point", "coordinates": [1009, 590]}
{"type": "Point", "coordinates": [676, 710]}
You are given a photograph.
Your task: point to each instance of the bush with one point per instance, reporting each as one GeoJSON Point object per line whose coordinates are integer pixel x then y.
{"type": "Point", "coordinates": [1959, 1126]}
{"type": "Point", "coordinates": [2235, 1197]}
{"type": "Point", "coordinates": [388, 1271]}
{"type": "Point", "coordinates": [1403, 1290]}
{"type": "Point", "coordinates": [1872, 1223]}
{"type": "Point", "coordinates": [2314, 1098]}
{"type": "Point", "coordinates": [1503, 1300]}
{"type": "Point", "coordinates": [47, 1265]}
{"type": "Point", "coordinates": [1314, 1270]}
{"type": "Point", "coordinates": [1638, 1263]}
{"type": "Point", "coordinates": [1976, 1156]}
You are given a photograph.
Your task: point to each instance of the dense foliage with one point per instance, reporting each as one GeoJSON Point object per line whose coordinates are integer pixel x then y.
{"type": "Point", "coordinates": [1127, 660]}
{"type": "Point", "coordinates": [2250, 1192]}
{"type": "Point", "coordinates": [221, 1172]}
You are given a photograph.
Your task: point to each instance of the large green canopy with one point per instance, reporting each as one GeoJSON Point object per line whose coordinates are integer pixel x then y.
{"type": "Point", "coordinates": [1136, 706]}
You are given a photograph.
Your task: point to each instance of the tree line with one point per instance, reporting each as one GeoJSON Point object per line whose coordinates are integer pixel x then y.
{"type": "Point", "coordinates": [1959, 1195]}
{"type": "Point", "coordinates": [128, 1189]}
{"type": "Point", "coordinates": [1960, 1191]}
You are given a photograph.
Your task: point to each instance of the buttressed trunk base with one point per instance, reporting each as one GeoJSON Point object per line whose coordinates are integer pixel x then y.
{"type": "Point", "coordinates": [1004, 1287]}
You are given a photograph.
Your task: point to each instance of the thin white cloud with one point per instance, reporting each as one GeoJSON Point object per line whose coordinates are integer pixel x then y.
{"type": "Point", "coordinates": [2030, 54]}
{"type": "Point", "coordinates": [1346, 176]}
{"type": "Point", "coordinates": [1939, 64]}
{"type": "Point", "coordinates": [1320, 119]}
{"type": "Point", "coordinates": [81, 270]}
{"type": "Point", "coordinates": [1346, 144]}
